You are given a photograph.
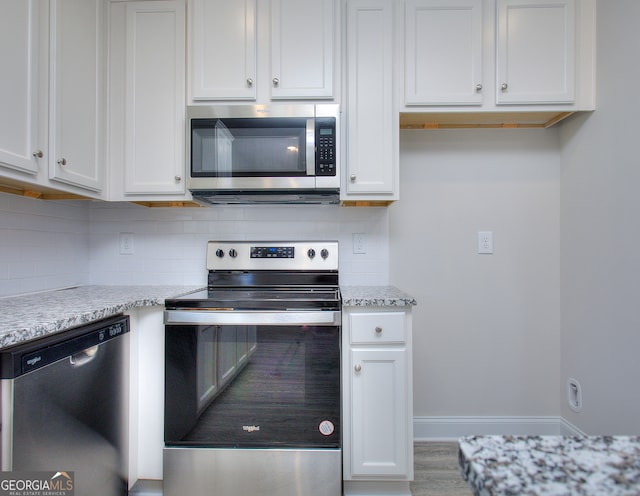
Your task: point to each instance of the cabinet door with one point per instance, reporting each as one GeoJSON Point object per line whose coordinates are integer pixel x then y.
{"type": "Point", "coordinates": [379, 442]}
{"type": "Point", "coordinates": [372, 128]}
{"type": "Point", "coordinates": [76, 89]}
{"type": "Point", "coordinates": [302, 48]}
{"type": "Point", "coordinates": [154, 97]}
{"type": "Point", "coordinates": [223, 49]}
{"type": "Point", "coordinates": [536, 51]}
{"type": "Point", "coordinates": [443, 52]}
{"type": "Point", "coordinates": [20, 145]}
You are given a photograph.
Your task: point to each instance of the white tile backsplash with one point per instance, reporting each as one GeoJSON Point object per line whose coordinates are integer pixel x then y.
{"type": "Point", "coordinates": [170, 244]}
{"type": "Point", "coordinates": [43, 245]}
{"type": "Point", "coordinates": [53, 244]}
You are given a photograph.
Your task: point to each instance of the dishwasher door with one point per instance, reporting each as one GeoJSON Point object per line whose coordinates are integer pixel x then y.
{"type": "Point", "coordinates": [64, 402]}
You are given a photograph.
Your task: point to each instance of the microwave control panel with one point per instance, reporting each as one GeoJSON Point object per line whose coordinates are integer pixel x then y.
{"type": "Point", "coordinates": [325, 146]}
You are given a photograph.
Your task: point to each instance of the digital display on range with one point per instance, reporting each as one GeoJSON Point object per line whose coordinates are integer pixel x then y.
{"type": "Point", "coordinates": [272, 252]}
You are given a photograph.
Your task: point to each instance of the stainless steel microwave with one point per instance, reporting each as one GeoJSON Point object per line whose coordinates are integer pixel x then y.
{"type": "Point", "coordinates": [264, 153]}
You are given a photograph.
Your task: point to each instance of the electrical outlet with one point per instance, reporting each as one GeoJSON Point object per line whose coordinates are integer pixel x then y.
{"type": "Point", "coordinates": [126, 244]}
{"type": "Point", "coordinates": [359, 243]}
{"type": "Point", "coordinates": [485, 242]}
{"type": "Point", "coordinates": [574, 395]}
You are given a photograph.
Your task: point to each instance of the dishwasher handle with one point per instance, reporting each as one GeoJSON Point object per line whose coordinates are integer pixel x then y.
{"type": "Point", "coordinates": [84, 357]}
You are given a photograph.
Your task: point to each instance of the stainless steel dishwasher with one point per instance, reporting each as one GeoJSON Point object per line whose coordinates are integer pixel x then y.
{"type": "Point", "coordinates": [64, 406]}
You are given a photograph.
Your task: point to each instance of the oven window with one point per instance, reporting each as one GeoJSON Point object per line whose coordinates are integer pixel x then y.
{"type": "Point", "coordinates": [248, 147]}
{"type": "Point", "coordinates": [252, 386]}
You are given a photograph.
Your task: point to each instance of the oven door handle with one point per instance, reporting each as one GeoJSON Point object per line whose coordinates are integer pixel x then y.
{"type": "Point", "coordinates": [242, 317]}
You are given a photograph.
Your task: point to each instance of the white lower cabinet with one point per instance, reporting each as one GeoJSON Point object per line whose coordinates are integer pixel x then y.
{"type": "Point", "coordinates": [377, 399]}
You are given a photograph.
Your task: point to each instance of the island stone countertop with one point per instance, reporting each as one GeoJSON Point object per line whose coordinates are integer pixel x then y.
{"type": "Point", "coordinates": [551, 465]}
{"type": "Point", "coordinates": [375, 296]}
{"type": "Point", "coordinates": [34, 315]}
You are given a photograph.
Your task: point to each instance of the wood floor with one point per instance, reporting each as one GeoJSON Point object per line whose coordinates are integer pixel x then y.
{"type": "Point", "coordinates": [436, 470]}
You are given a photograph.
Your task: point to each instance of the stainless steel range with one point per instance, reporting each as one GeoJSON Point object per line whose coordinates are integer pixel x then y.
{"type": "Point", "coordinates": [252, 378]}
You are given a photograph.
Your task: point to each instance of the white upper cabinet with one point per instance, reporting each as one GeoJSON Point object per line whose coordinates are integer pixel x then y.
{"type": "Point", "coordinates": [371, 171]}
{"type": "Point", "coordinates": [223, 49]}
{"type": "Point", "coordinates": [76, 102]}
{"type": "Point", "coordinates": [256, 50]}
{"type": "Point", "coordinates": [302, 48]}
{"type": "Point", "coordinates": [147, 99]}
{"type": "Point", "coordinates": [498, 56]}
{"type": "Point", "coordinates": [443, 52]}
{"type": "Point", "coordinates": [536, 55]}
{"type": "Point", "coordinates": [21, 146]}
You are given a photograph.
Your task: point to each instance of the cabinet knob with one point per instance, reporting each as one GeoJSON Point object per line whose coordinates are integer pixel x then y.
{"type": "Point", "coordinates": [378, 330]}
{"type": "Point", "coordinates": [353, 177]}
{"type": "Point", "coordinates": [276, 82]}
{"type": "Point", "coordinates": [478, 87]}
{"type": "Point", "coordinates": [178, 178]}
{"type": "Point", "coordinates": [357, 368]}
{"type": "Point", "coordinates": [249, 82]}
{"type": "Point", "coordinates": [62, 162]}
{"type": "Point", "coordinates": [38, 154]}
{"type": "Point", "coordinates": [504, 86]}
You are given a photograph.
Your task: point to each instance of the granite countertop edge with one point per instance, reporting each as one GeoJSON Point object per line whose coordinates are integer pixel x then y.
{"type": "Point", "coordinates": [31, 316]}
{"type": "Point", "coordinates": [375, 296]}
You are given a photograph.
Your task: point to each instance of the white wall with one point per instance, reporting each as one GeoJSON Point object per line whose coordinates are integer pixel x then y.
{"type": "Point", "coordinates": [600, 223]}
{"type": "Point", "coordinates": [43, 245]}
{"type": "Point", "coordinates": [486, 328]}
{"type": "Point", "coordinates": [170, 243]}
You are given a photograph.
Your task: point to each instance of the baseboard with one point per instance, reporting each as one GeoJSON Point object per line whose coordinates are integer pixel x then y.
{"type": "Point", "coordinates": [452, 428]}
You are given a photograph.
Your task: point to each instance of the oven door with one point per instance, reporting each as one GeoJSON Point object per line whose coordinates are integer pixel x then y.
{"type": "Point", "coordinates": [241, 380]}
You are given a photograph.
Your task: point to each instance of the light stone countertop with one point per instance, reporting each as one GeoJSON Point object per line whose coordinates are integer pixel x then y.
{"type": "Point", "coordinates": [551, 465]}
{"type": "Point", "coordinates": [31, 316]}
{"type": "Point", "coordinates": [375, 296]}
{"type": "Point", "coordinates": [34, 315]}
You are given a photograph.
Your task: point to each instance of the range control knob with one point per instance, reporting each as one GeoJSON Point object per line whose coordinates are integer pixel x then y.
{"type": "Point", "coordinates": [324, 253]}
{"type": "Point", "coordinates": [219, 253]}
{"type": "Point", "coordinates": [233, 253]}
{"type": "Point", "coordinates": [311, 253]}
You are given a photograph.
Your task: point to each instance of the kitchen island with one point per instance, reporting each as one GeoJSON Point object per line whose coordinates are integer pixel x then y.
{"type": "Point", "coordinates": [551, 465]}
{"type": "Point", "coordinates": [35, 315]}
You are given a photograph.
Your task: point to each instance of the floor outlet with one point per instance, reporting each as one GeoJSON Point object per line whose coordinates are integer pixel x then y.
{"type": "Point", "coordinates": [126, 244]}
{"type": "Point", "coordinates": [574, 395]}
{"type": "Point", "coordinates": [485, 242]}
{"type": "Point", "coordinates": [359, 243]}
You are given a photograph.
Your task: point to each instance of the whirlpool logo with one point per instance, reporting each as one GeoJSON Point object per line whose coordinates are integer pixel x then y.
{"type": "Point", "coordinates": [36, 484]}
{"type": "Point", "coordinates": [250, 428]}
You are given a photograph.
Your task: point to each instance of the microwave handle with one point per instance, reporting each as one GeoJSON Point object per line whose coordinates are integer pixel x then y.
{"type": "Point", "coordinates": [311, 147]}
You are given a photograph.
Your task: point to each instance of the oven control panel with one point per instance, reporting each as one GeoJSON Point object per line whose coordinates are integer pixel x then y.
{"type": "Point", "coordinates": [272, 251]}
{"type": "Point", "coordinates": [272, 255]}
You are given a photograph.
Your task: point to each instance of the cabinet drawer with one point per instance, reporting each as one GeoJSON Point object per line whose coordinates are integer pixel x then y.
{"type": "Point", "coordinates": [377, 327]}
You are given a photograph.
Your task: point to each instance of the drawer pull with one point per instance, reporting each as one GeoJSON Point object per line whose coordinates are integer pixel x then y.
{"type": "Point", "coordinates": [378, 330]}
{"type": "Point", "coordinates": [357, 368]}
